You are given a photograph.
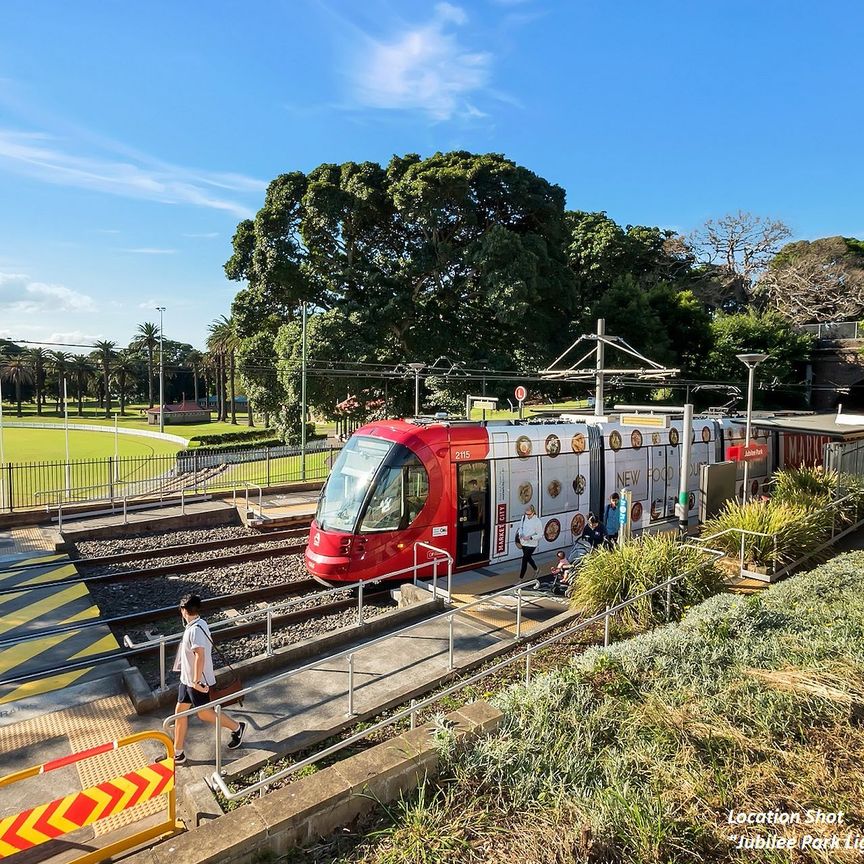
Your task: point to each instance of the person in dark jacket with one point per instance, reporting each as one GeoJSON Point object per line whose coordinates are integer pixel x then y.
{"type": "Point", "coordinates": [593, 531]}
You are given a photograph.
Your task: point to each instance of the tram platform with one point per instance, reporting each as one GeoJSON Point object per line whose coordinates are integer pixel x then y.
{"type": "Point", "coordinates": [278, 510]}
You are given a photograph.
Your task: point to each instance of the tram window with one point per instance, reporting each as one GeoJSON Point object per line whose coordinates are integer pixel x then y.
{"type": "Point", "coordinates": [386, 505]}
{"type": "Point", "coordinates": [399, 495]}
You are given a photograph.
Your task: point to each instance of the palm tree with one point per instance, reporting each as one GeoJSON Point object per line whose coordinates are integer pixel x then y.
{"type": "Point", "coordinates": [105, 350]}
{"type": "Point", "coordinates": [124, 368]}
{"type": "Point", "coordinates": [38, 357]}
{"type": "Point", "coordinates": [147, 338]}
{"type": "Point", "coordinates": [223, 340]}
{"type": "Point", "coordinates": [59, 362]}
{"type": "Point", "coordinates": [15, 370]}
{"type": "Point", "coordinates": [83, 369]}
{"type": "Point", "coordinates": [195, 360]}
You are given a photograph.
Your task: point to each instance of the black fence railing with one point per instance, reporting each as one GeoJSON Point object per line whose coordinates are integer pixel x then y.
{"type": "Point", "coordinates": [26, 485]}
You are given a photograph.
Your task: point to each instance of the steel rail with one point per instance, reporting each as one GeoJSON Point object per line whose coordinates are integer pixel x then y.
{"type": "Point", "coordinates": [162, 569]}
{"type": "Point", "coordinates": [186, 548]}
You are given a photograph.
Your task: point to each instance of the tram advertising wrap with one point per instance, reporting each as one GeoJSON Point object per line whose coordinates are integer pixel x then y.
{"type": "Point", "coordinates": [463, 487]}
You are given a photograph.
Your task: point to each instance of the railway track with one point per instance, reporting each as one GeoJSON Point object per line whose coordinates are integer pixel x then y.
{"type": "Point", "coordinates": [172, 569]}
{"type": "Point", "coordinates": [237, 631]}
{"type": "Point", "coordinates": [297, 534]}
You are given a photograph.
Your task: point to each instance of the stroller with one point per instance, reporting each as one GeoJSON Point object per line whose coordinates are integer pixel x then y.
{"type": "Point", "coordinates": [560, 583]}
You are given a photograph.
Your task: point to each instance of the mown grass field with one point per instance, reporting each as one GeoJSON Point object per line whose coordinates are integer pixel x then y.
{"type": "Point", "coordinates": [135, 418]}
{"type": "Point", "coordinates": [38, 445]}
{"type": "Point", "coordinates": [641, 752]}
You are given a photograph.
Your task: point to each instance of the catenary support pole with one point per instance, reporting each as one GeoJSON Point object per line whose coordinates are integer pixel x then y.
{"type": "Point", "coordinates": [601, 358]}
{"type": "Point", "coordinates": [684, 472]}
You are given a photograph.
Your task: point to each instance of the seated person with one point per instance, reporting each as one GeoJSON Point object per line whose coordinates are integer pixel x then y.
{"type": "Point", "coordinates": [593, 531]}
{"type": "Point", "coordinates": [563, 572]}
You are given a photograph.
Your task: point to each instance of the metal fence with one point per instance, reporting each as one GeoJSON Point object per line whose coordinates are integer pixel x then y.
{"type": "Point", "coordinates": [25, 485]}
{"type": "Point", "coordinates": [834, 330]}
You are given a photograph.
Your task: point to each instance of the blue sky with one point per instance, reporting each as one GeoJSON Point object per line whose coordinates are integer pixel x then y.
{"type": "Point", "coordinates": [134, 136]}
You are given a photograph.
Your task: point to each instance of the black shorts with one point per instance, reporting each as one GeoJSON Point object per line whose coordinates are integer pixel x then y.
{"type": "Point", "coordinates": [191, 696]}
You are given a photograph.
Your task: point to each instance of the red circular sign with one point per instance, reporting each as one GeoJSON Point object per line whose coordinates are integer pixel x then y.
{"type": "Point", "coordinates": [521, 393]}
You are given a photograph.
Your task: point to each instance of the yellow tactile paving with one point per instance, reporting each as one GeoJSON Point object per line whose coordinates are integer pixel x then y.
{"type": "Point", "coordinates": [503, 617]}
{"type": "Point", "coordinates": [86, 726]}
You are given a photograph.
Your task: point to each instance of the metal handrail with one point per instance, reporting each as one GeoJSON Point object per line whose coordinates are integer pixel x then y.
{"type": "Point", "coordinates": [217, 704]}
{"type": "Point", "coordinates": [218, 781]}
{"type": "Point", "coordinates": [439, 554]}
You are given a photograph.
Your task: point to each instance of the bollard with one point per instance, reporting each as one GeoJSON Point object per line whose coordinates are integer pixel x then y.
{"type": "Point", "coordinates": [350, 685]}
{"type": "Point", "coordinates": [450, 658]}
{"type": "Point", "coordinates": [182, 502]}
{"type": "Point", "coordinates": [125, 516]}
{"type": "Point", "coordinates": [269, 632]}
{"type": "Point", "coordinates": [162, 685]}
{"type": "Point", "coordinates": [218, 710]}
{"type": "Point", "coordinates": [359, 604]}
{"type": "Point", "coordinates": [668, 599]}
{"type": "Point", "coordinates": [518, 614]}
{"type": "Point", "coordinates": [528, 664]}
{"type": "Point", "coordinates": [606, 628]}
{"type": "Point", "coordinates": [413, 714]}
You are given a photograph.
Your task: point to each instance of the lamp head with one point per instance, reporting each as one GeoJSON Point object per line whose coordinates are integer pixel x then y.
{"type": "Point", "coordinates": [417, 367]}
{"type": "Point", "coordinates": [752, 359]}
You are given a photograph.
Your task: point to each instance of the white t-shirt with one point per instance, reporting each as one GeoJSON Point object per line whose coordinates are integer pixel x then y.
{"type": "Point", "coordinates": [530, 530]}
{"type": "Point", "coordinates": [196, 635]}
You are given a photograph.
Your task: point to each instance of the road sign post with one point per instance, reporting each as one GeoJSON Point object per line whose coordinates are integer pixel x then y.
{"type": "Point", "coordinates": [521, 394]}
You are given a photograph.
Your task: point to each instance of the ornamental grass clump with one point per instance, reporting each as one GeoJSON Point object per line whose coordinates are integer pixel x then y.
{"type": "Point", "coordinates": [612, 576]}
{"type": "Point", "coordinates": [777, 533]}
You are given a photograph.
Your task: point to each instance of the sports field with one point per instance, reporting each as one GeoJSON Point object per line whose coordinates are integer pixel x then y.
{"type": "Point", "coordinates": [39, 445]}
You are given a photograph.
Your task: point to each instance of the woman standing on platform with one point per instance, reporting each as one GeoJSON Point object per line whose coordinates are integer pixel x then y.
{"type": "Point", "coordinates": [530, 529]}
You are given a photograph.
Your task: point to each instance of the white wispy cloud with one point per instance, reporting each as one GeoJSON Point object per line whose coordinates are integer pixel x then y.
{"type": "Point", "coordinates": [21, 295]}
{"type": "Point", "coordinates": [423, 68]}
{"type": "Point", "coordinates": [206, 235]}
{"type": "Point", "coordinates": [118, 170]}
{"type": "Point", "coordinates": [151, 250]}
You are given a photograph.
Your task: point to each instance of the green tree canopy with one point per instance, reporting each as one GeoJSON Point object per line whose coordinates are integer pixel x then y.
{"type": "Point", "coordinates": [768, 333]}
{"type": "Point", "coordinates": [457, 254]}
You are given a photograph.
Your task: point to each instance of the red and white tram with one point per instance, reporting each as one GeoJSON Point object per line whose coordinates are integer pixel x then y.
{"type": "Point", "coordinates": [463, 486]}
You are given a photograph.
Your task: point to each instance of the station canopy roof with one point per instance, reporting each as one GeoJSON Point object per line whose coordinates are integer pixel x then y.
{"type": "Point", "coordinates": [850, 425]}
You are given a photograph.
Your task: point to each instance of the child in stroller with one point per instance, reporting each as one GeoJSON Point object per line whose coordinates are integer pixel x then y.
{"type": "Point", "coordinates": [560, 577]}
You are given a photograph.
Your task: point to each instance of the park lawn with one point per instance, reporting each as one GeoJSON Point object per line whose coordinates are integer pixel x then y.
{"type": "Point", "coordinates": [477, 413]}
{"type": "Point", "coordinates": [40, 445]}
{"type": "Point", "coordinates": [283, 470]}
{"type": "Point", "coordinates": [134, 418]}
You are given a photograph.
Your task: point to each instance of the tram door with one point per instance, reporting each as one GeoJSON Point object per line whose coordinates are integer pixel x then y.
{"type": "Point", "coordinates": [472, 526]}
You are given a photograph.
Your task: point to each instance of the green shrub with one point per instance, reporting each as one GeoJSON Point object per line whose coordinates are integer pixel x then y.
{"type": "Point", "coordinates": [793, 483]}
{"type": "Point", "coordinates": [611, 576]}
{"type": "Point", "coordinates": [780, 532]}
{"type": "Point", "coordinates": [234, 446]}
{"type": "Point", "coordinates": [228, 437]}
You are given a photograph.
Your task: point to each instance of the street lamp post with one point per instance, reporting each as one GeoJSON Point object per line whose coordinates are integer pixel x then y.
{"type": "Point", "coordinates": [161, 310]}
{"type": "Point", "coordinates": [303, 398]}
{"type": "Point", "coordinates": [751, 361]}
{"type": "Point", "coordinates": [417, 368]}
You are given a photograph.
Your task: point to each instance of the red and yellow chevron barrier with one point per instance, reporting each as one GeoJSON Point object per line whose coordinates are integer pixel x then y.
{"type": "Point", "coordinates": [63, 815]}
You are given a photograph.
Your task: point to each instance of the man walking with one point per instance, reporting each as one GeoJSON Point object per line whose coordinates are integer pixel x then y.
{"type": "Point", "coordinates": [612, 520]}
{"type": "Point", "coordinates": [195, 664]}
